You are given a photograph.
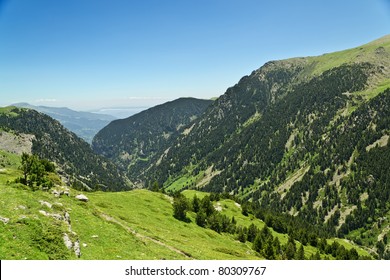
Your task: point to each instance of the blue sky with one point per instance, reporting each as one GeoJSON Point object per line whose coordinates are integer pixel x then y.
{"type": "Point", "coordinates": [88, 54]}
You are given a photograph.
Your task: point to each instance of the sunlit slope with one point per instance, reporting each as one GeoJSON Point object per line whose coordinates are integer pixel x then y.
{"type": "Point", "coordinates": [127, 225]}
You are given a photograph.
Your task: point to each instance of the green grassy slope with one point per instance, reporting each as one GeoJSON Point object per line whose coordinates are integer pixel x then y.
{"type": "Point", "coordinates": [128, 225]}
{"type": "Point", "coordinates": [371, 52]}
{"type": "Point", "coordinates": [125, 225]}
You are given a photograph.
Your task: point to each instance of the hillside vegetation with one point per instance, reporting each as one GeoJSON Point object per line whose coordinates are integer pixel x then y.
{"type": "Point", "coordinates": [79, 166]}
{"type": "Point", "coordinates": [292, 162]}
{"type": "Point", "coordinates": [53, 224]}
{"type": "Point", "coordinates": [83, 124]}
{"type": "Point", "coordinates": [306, 137]}
{"type": "Point", "coordinates": [133, 141]}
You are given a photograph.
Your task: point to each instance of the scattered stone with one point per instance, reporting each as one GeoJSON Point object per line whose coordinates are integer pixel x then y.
{"type": "Point", "coordinates": [77, 250]}
{"type": "Point", "coordinates": [67, 218]}
{"type": "Point", "coordinates": [57, 216]}
{"type": "Point", "coordinates": [82, 197]}
{"type": "Point", "coordinates": [45, 203]}
{"type": "Point", "coordinates": [56, 193]}
{"type": "Point", "coordinates": [67, 241]}
{"type": "Point", "coordinates": [22, 207]}
{"type": "Point", "coordinates": [66, 193]}
{"type": "Point", "coordinates": [95, 236]}
{"type": "Point", "coordinates": [4, 220]}
{"type": "Point", "coordinates": [43, 212]}
{"type": "Point", "coordinates": [237, 204]}
{"type": "Point", "coordinates": [85, 245]}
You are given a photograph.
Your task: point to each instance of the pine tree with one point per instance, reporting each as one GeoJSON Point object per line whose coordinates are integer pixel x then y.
{"type": "Point", "coordinates": [180, 207]}
{"type": "Point", "coordinates": [195, 204]}
{"type": "Point", "coordinates": [290, 248]}
{"type": "Point", "coordinates": [258, 243]}
{"type": "Point", "coordinates": [300, 254]}
{"type": "Point", "coordinates": [201, 218]}
{"type": "Point", "coordinates": [207, 206]}
{"type": "Point", "coordinates": [241, 236]}
{"type": "Point", "coordinates": [269, 252]}
{"type": "Point", "coordinates": [252, 232]}
{"type": "Point", "coordinates": [277, 247]}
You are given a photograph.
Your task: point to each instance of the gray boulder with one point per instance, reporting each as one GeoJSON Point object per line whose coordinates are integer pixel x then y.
{"type": "Point", "coordinates": [82, 197]}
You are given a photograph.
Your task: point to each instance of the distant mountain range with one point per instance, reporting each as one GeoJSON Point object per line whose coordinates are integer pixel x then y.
{"type": "Point", "coordinates": [120, 112]}
{"type": "Point", "coordinates": [83, 124]}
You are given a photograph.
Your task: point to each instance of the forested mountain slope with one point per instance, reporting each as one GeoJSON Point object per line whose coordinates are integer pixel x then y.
{"type": "Point", "coordinates": [134, 140]}
{"type": "Point", "coordinates": [304, 136]}
{"type": "Point", "coordinates": [48, 139]}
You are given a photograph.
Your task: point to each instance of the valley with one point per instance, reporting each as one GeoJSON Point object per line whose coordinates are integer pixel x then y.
{"type": "Point", "coordinates": [292, 162]}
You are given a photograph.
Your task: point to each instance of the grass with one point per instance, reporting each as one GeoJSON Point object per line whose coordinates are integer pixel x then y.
{"type": "Point", "coordinates": [154, 218]}
{"type": "Point", "coordinates": [180, 183]}
{"type": "Point", "coordinates": [364, 53]}
{"type": "Point", "coordinates": [8, 111]}
{"type": "Point", "coordinates": [128, 225]}
{"type": "Point", "coordinates": [373, 92]}
{"type": "Point", "coordinates": [135, 225]}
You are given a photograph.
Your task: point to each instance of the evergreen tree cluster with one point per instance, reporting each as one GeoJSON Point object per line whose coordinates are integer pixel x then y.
{"type": "Point", "coordinates": [262, 240]}
{"type": "Point", "coordinates": [35, 171]}
{"type": "Point", "coordinates": [73, 156]}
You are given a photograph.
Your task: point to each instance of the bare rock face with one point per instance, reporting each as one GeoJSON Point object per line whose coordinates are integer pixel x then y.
{"type": "Point", "coordinates": [82, 197]}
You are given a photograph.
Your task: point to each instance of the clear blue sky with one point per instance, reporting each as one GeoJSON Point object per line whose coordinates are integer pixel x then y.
{"type": "Point", "coordinates": [92, 53]}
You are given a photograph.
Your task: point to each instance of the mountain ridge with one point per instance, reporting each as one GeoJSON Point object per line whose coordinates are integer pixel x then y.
{"type": "Point", "coordinates": [291, 137]}
{"type": "Point", "coordinates": [50, 140]}
{"type": "Point", "coordinates": [84, 124]}
{"type": "Point", "coordinates": [138, 137]}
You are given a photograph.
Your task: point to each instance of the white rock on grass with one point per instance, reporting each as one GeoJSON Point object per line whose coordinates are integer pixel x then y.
{"type": "Point", "coordinates": [67, 241]}
{"type": "Point", "coordinates": [4, 220]}
{"type": "Point", "coordinates": [43, 212]}
{"type": "Point", "coordinates": [82, 197]}
{"type": "Point", "coordinates": [56, 193]}
{"type": "Point", "coordinates": [45, 203]}
{"type": "Point", "coordinates": [77, 250]}
{"type": "Point", "coordinates": [67, 217]}
{"type": "Point", "coordinates": [57, 216]}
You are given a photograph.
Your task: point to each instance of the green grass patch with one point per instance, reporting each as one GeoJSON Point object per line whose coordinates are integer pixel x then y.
{"type": "Point", "coordinates": [8, 111]}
